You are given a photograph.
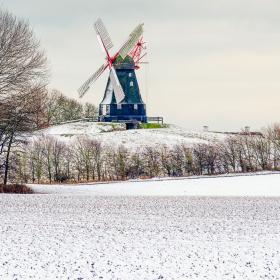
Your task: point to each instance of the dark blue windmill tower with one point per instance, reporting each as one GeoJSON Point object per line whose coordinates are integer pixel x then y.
{"type": "Point", "coordinates": [122, 99]}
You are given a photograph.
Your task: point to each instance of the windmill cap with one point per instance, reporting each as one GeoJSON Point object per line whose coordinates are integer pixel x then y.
{"type": "Point", "coordinates": [126, 63]}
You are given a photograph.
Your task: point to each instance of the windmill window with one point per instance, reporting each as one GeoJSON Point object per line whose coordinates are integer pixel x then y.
{"type": "Point", "coordinates": [130, 74]}
{"type": "Point", "coordinates": [131, 83]}
{"type": "Point", "coordinates": [135, 106]}
{"type": "Point", "coordinates": [107, 109]}
{"type": "Point", "coordinates": [119, 106]}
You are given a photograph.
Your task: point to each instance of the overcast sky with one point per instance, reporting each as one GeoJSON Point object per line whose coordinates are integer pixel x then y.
{"type": "Point", "coordinates": [212, 62]}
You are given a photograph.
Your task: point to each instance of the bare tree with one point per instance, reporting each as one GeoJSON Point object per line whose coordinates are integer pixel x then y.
{"type": "Point", "coordinates": [36, 159]}
{"type": "Point", "coordinates": [273, 134]}
{"type": "Point", "coordinates": [246, 153]}
{"type": "Point", "coordinates": [262, 152]}
{"type": "Point", "coordinates": [151, 158]}
{"type": "Point", "coordinates": [90, 110]}
{"type": "Point", "coordinates": [166, 160]}
{"type": "Point", "coordinates": [21, 61]}
{"type": "Point", "coordinates": [229, 153]}
{"type": "Point", "coordinates": [136, 166]}
{"type": "Point", "coordinates": [97, 158]}
{"type": "Point", "coordinates": [23, 72]}
{"type": "Point", "coordinates": [83, 152]}
{"type": "Point", "coordinates": [48, 143]}
{"type": "Point", "coordinates": [199, 152]}
{"type": "Point", "coordinates": [58, 153]}
{"type": "Point", "coordinates": [121, 162]}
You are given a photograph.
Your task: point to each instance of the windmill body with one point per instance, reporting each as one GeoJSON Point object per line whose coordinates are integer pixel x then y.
{"type": "Point", "coordinates": [122, 99]}
{"type": "Point", "coordinates": [132, 106]}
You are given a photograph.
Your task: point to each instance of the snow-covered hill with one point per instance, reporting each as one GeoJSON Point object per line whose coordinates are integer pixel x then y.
{"type": "Point", "coordinates": [115, 134]}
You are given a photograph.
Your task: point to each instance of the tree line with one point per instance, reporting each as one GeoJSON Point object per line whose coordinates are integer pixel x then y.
{"type": "Point", "coordinates": [48, 160]}
{"type": "Point", "coordinates": [58, 108]}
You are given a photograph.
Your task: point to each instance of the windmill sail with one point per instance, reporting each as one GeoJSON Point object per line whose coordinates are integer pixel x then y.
{"type": "Point", "coordinates": [118, 90]}
{"type": "Point", "coordinates": [131, 41]}
{"type": "Point", "coordinates": [85, 87]}
{"type": "Point", "coordinates": [106, 42]}
{"type": "Point", "coordinates": [103, 35]}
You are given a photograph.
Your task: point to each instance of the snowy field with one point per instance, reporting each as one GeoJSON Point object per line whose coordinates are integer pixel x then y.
{"type": "Point", "coordinates": [262, 184]}
{"type": "Point", "coordinates": [150, 230]}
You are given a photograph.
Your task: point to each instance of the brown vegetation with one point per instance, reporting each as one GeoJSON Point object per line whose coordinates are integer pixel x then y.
{"type": "Point", "coordinates": [15, 188]}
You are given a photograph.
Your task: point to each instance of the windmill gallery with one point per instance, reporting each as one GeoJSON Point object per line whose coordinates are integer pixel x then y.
{"type": "Point", "coordinates": [122, 101]}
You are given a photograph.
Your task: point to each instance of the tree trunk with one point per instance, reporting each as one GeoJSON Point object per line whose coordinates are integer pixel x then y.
{"type": "Point", "coordinates": [7, 159]}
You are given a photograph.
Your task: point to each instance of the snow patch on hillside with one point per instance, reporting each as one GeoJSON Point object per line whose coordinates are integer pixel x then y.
{"type": "Point", "coordinates": [115, 134]}
{"type": "Point", "coordinates": [80, 128]}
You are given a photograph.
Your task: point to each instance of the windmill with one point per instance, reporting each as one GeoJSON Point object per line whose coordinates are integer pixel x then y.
{"type": "Point", "coordinates": [122, 100]}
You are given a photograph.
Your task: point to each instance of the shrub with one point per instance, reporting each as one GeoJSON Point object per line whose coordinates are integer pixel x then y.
{"type": "Point", "coordinates": [15, 188]}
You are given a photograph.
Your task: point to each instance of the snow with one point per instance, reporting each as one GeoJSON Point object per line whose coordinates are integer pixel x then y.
{"type": "Point", "coordinates": [254, 185]}
{"type": "Point", "coordinates": [80, 128]}
{"type": "Point", "coordinates": [113, 134]}
{"type": "Point", "coordinates": [141, 138]}
{"type": "Point", "coordinates": [165, 229]}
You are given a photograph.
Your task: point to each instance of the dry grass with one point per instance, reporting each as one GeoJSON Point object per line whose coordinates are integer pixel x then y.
{"type": "Point", "coordinates": [15, 188]}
